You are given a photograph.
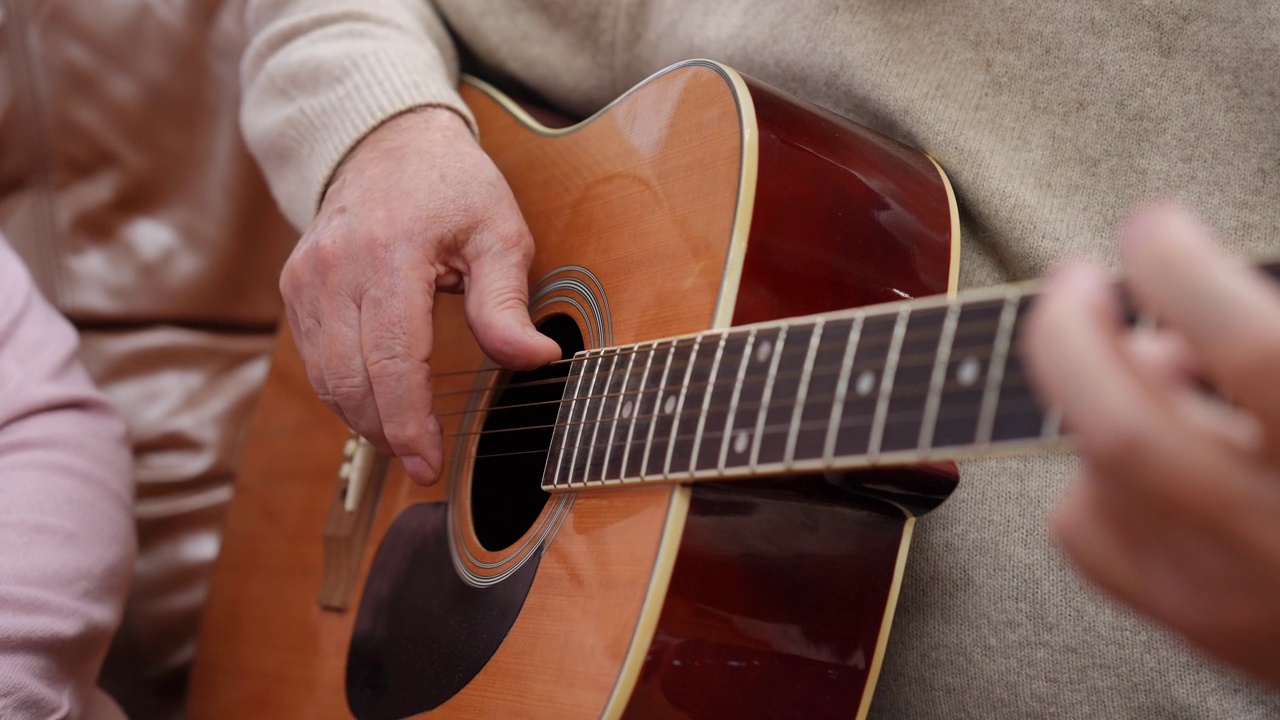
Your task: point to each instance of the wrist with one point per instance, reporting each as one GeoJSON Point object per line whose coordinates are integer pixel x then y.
{"type": "Point", "coordinates": [403, 133]}
{"type": "Point", "coordinates": [436, 120]}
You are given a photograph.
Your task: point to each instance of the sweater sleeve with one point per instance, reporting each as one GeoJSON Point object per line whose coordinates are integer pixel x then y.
{"type": "Point", "coordinates": [319, 75]}
{"type": "Point", "coordinates": [67, 540]}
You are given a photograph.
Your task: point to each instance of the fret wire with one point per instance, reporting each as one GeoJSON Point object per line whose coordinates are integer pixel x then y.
{"type": "Point", "coordinates": [781, 428]}
{"type": "Point", "coordinates": [564, 438]}
{"type": "Point", "coordinates": [842, 388]}
{"type": "Point", "coordinates": [785, 427]}
{"type": "Point", "coordinates": [934, 399]}
{"type": "Point", "coordinates": [803, 390]}
{"type": "Point", "coordinates": [901, 365]}
{"type": "Point", "coordinates": [998, 369]}
{"type": "Point", "coordinates": [886, 383]}
{"type": "Point", "coordinates": [595, 431]}
{"type": "Point", "coordinates": [910, 390]}
{"type": "Point", "coordinates": [657, 403]}
{"type": "Point", "coordinates": [635, 412]}
{"type": "Point", "coordinates": [706, 402]}
{"type": "Point", "coordinates": [581, 426]}
{"type": "Point", "coordinates": [846, 422]}
{"type": "Point", "coordinates": [856, 421]}
{"type": "Point", "coordinates": [733, 401]}
{"type": "Point", "coordinates": [878, 310]}
{"type": "Point", "coordinates": [679, 410]}
{"type": "Point", "coordinates": [623, 350]}
{"type": "Point", "coordinates": [995, 368]}
{"type": "Point", "coordinates": [962, 331]}
{"type": "Point", "coordinates": [849, 422]}
{"type": "Point", "coordinates": [766, 393]}
{"type": "Point", "coordinates": [617, 413]}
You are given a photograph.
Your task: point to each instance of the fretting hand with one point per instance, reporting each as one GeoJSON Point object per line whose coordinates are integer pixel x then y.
{"type": "Point", "coordinates": [1177, 511]}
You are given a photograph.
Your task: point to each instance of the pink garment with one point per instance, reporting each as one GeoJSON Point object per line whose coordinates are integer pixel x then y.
{"type": "Point", "coordinates": [66, 526]}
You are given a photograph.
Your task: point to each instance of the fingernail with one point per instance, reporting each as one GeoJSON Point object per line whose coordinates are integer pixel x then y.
{"type": "Point", "coordinates": [420, 470]}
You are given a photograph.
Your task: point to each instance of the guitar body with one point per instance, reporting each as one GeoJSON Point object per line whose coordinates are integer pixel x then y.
{"type": "Point", "coordinates": [698, 200]}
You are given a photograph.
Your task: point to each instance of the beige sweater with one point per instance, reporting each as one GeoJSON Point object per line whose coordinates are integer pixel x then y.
{"type": "Point", "coordinates": [1052, 118]}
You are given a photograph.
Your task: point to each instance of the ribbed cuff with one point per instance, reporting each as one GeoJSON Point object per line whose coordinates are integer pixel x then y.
{"type": "Point", "coordinates": [325, 98]}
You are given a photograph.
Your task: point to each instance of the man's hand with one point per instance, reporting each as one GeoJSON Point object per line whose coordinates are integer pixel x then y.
{"type": "Point", "coordinates": [416, 207]}
{"type": "Point", "coordinates": [1178, 509]}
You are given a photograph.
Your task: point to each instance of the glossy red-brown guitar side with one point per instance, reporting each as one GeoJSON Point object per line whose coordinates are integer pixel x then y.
{"type": "Point", "coordinates": [686, 520]}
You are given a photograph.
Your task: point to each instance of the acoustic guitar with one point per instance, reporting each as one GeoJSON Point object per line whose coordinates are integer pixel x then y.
{"type": "Point", "coordinates": [704, 510]}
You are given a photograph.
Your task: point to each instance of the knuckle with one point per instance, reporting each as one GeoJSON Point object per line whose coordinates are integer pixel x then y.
{"type": "Point", "coordinates": [403, 434]}
{"type": "Point", "coordinates": [387, 362]}
{"type": "Point", "coordinates": [316, 260]}
{"type": "Point", "coordinates": [517, 243]}
{"type": "Point", "coordinates": [292, 278]}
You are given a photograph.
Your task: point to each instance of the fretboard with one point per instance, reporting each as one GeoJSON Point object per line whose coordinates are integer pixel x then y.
{"type": "Point", "coordinates": [889, 384]}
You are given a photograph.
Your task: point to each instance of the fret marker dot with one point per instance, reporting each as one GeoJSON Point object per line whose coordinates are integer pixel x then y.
{"type": "Point", "coordinates": [670, 405]}
{"type": "Point", "coordinates": [967, 371]}
{"type": "Point", "coordinates": [626, 409]}
{"type": "Point", "coordinates": [865, 383]}
{"type": "Point", "coordinates": [741, 441]}
{"type": "Point", "coordinates": [764, 350]}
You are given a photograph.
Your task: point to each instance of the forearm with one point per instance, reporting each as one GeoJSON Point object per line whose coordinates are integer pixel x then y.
{"type": "Point", "coordinates": [319, 75]}
{"type": "Point", "coordinates": [66, 525]}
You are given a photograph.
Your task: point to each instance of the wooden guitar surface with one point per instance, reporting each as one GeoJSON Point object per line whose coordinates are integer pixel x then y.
{"type": "Point", "coordinates": [698, 200]}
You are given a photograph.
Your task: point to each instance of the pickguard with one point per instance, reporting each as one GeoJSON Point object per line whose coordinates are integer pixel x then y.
{"type": "Point", "coordinates": [422, 633]}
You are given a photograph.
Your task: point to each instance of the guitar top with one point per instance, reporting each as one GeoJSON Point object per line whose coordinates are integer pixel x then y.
{"type": "Point", "coordinates": [704, 510]}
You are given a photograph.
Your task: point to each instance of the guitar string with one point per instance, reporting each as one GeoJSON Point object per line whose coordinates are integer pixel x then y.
{"type": "Point", "coordinates": [907, 362]}
{"type": "Point", "coordinates": [948, 412]}
{"type": "Point", "coordinates": [717, 332]}
{"type": "Point", "coordinates": [848, 422]}
{"type": "Point", "coordinates": [857, 422]}
{"type": "Point", "coordinates": [967, 333]}
{"type": "Point", "coordinates": [952, 410]}
{"type": "Point", "coordinates": [1015, 294]}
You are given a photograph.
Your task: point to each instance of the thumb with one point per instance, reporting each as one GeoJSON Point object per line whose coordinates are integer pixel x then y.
{"type": "Point", "coordinates": [497, 307]}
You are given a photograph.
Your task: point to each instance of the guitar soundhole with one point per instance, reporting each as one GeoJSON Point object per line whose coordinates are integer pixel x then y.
{"type": "Point", "coordinates": [506, 492]}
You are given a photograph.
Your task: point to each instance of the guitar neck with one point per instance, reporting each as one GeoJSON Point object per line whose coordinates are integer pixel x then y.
{"type": "Point", "coordinates": [890, 384]}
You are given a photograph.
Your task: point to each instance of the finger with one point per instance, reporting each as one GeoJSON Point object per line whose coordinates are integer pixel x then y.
{"type": "Point", "coordinates": [497, 303]}
{"type": "Point", "coordinates": [1076, 357]}
{"type": "Point", "coordinates": [1124, 427]}
{"type": "Point", "coordinates": [1144, 558]}
{"type": "Point", "coordinates": [1086, 528]}
{"type": "Point", "coordinates": [306, 332]}
{"type": "Point", "coordinates": [1217, 590]}
{"type": "Point", "coordinates": [300, 332]}
{"type": "Point", "coordinates": [1229, 313]}
{"type": "Point", "coordinates": [343, 365]}
{"type": "Point", "coordinates": [396, 337]}
{"type": "Point", "coordinates": [1166, 362]}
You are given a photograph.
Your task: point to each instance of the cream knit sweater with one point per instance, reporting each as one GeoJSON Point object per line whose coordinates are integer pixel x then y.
{"type": "Point", "coordinates": [1052, 118]}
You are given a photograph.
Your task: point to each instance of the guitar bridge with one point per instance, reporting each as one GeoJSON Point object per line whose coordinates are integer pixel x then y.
{"type": "Point", "coordinates": [346, 531]}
